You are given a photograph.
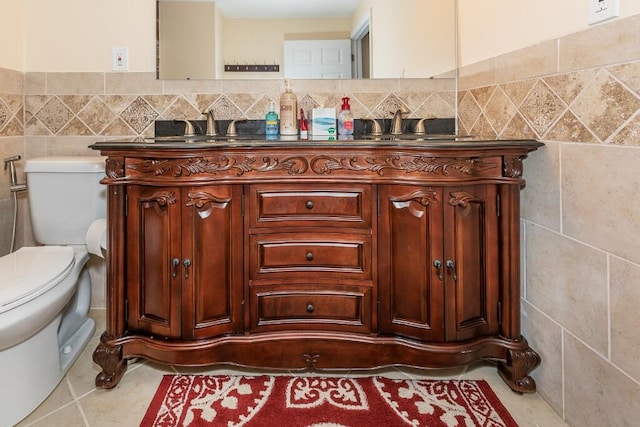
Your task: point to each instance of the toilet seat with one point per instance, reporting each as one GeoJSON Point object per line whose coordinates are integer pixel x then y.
{"type": "Point", "coordinates": [31, 271]}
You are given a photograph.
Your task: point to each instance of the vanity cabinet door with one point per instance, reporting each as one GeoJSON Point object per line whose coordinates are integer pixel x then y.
{"type": "Point", "coordinates": [410, 240]}
{"type": "Point", "coordinates": [212, 240]}
{"type": "Point", "coordinates": [153, 264]}
{"type": "Point", "coordinates": [471, 261]}
{"type": "Point", "coordinates": [439, 278]}
{"type": "Point", "coordinates": [184, 260]}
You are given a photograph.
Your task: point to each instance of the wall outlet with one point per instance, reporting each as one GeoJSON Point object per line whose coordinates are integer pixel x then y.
{"type": "Point", "coordinates": [601, 10]}
{"type": "Point", "coordinates": [120, 60]}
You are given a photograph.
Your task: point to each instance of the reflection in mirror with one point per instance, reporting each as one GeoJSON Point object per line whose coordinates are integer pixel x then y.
{"type": "Point", "coordinates": [305, 39]}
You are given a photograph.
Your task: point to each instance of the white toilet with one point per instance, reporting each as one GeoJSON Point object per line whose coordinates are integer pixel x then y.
{"type": "Point", "coordinates": [45, 291]}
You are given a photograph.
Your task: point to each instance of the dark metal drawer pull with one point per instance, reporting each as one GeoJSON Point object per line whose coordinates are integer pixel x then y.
{"type": "Point", "coordinates": [310, 308]}
{"type": "Point", "coordinates": [309, 204]}
{"type": "Point", "coordinates": [309, 256]}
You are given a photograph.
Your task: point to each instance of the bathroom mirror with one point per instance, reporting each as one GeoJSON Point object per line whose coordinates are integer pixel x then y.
{"type": "Point", "coordinates": [245, 39]}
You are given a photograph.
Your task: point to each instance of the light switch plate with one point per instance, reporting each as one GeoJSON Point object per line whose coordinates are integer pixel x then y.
{"type": "Point", "coordinates": [601, 10]}
{"type": "Point", "coordinates": [120, 60]}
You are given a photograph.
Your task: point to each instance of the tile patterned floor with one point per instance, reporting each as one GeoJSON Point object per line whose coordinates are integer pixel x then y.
{"type": "Point", "coordinates": [77, 403]}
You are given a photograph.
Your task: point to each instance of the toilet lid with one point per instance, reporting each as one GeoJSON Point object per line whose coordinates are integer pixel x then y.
{"type": "Point", "coordinates": [30, 270]}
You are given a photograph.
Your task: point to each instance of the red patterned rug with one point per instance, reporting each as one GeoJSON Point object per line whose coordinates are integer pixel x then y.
{"type": "Point", "coordinates": [284, 401]}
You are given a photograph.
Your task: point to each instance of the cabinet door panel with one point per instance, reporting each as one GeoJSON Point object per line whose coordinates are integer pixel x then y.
{"type": "Point", "coordinates": [153, 281]}
{"type": "Point", "coordinates": [471, 260]}
{"type": "Point", "coordinates": [212, 241]}
{"type": "Point", "coordinates": [410, 241]}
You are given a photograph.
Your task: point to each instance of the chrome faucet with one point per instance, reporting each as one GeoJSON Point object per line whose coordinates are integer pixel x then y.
{"type": "Point", "coordinates": [396, 123]}
{"type": "Point", "coordinates": [211, 123]}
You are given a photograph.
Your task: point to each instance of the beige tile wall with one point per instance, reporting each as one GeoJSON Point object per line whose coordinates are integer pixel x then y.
{"type": "Point", "coordinates": [580, 95]}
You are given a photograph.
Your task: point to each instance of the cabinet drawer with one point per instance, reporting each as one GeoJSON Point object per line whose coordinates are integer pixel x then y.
{"type": "Point", "coordinates": [326, 307]}
{"type": "Point", "coordinates": [309, 205]}
{"type": "Point", "coordinates": [287, 254]}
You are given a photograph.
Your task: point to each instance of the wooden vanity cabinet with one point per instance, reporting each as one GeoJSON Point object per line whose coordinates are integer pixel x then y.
{"type": "Point", "coordinates": [184, 261]}
{"type": "Point", "coordinates": [317, 255]}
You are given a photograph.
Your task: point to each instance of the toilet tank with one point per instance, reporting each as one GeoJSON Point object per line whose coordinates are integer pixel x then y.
{"type": "Point", "coordinates": [65, 197]}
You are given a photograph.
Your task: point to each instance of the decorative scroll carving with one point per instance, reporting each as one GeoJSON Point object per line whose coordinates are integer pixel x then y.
{"type": "Point", "coordinates": [516, 371]}
{"type": "Point", "coordinates": [162, 198]}
{"type": "Point", "coordinates": [109, 358]}
{"type": "Point", "coordinates": [512, 166]}
{"type": "Point", "coordinates": [194, 166]}
{"type": "Point", "coordinates": [114, 167]}
{"type": "Point", "coordinates": [293, 165]}
{"type": "Point", "coordinates": [199, 199]}
{"type": "Point", "coordinates": [321, 165]}
{"type": "Point", "coordinates": [324, 165]}
{"type": "Point", "coordinates": [423, 197]}
{"type": "Point", "coordinates": [461, 198]}
{"type": "Point", "coordinates": [311, 360]}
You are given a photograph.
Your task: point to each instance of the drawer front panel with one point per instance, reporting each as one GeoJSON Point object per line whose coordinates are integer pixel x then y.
{"type": "Point", "coordinates": [280, 307]}
{"type": "Point", "coordinates": [330, 253]}
{"type": "Point", "coordinates": [305, 205]}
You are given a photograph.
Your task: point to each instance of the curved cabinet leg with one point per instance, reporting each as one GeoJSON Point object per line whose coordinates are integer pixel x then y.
{"type": "Point", "coordinates": [516, 371]}
{"type": "Point", "coordinates": [110, 360]}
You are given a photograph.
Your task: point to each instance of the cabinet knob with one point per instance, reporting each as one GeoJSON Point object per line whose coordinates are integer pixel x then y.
{"type": "Point", "coordinates": [309, 204]}
{"type": "Point", "coordinates": [310, 308]}
{"type": "Point", "coordinates": [309, 256]}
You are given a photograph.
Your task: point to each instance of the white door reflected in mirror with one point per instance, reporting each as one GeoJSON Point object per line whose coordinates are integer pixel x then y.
{"type": "Point", "coordinates": [317, 59]}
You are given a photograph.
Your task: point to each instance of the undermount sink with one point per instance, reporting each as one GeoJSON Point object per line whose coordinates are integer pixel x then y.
{"type": "Point", "coordinates": [414, 137]}
{"type": "Point", "coordinates": [197, 138]}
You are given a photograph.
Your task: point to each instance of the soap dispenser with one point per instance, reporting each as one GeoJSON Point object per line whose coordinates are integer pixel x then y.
{"type": "Point", "coordinates": [271, 122]}
{"type": "Point", "coordinates": [345, 119]}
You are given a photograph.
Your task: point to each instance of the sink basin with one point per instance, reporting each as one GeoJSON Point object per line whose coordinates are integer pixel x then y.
{"type": "Point", "coordinates": [414, 137]}
{"type": "Point", "coordinates": [197, 138]}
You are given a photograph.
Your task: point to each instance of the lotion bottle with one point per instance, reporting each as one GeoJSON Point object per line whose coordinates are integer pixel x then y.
{"type": "Point", "coordinates": [271, 122]}
{"type": "Point", "coordinates": [345, 119]}
{"type": "Point", "coordinates": [288, 112]}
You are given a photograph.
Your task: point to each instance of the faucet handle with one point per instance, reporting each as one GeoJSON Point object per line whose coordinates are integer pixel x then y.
{"type": "Point", "coordinates": [420, 128]}
{"type": "Point", "coordinates": [231, 129]}
{"type": "Point", "coordinates": [189, 130]}
{"type": "Point", "coordinates": [376, 129]}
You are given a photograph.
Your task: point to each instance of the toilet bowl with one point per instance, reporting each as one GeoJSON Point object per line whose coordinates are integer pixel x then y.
{"type": "Point", "coordinates": [45, 291]}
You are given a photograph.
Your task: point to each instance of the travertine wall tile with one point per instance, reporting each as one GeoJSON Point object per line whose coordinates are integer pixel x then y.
{"type": "Point", "coordinates": [541, 196]}
{"type": "Point", "coordinates": [563, 278]}
{"type": "Point", "coordinates": [625, 322]}
{"type": "Point", "coordinates": [545, 336]}
{"type": "Point", "coordinates": [75, 83]}
{"type": "Point", "coordinates": [600, 197]}
{"type": "Point", "coordinates": [611, 43]}
{"type": "Point", "coordinates": [596, 393]}
{"type": "Point", "coordinates": [534, 61]}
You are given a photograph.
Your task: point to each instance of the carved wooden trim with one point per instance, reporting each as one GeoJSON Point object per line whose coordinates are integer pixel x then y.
{"type": "Point", "coordinates": [162, 198]}
{"type": "Point", "coordinates": [109, 358]}
{"type": "Point", "coordinates": [425, 198]}
{"type": "Point", "coordinates": [320, 165]}
{"type": "Point", "coordinates": [512, 166]}
{"type": "Point", "coordinates": [461, 198]}
{"type": "Point", "coordinates": [199, 199]}
{"type": "Point", "coordinates": [114, 167]}
{"type": "Point", "coordinates": [311, 360]}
